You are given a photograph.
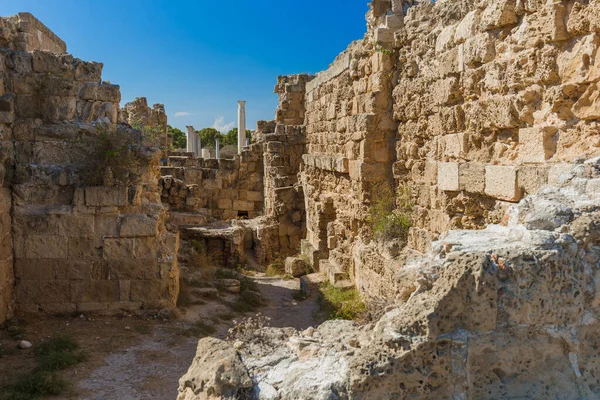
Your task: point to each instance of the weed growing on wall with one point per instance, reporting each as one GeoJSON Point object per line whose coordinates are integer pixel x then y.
{"type": "Point", "coordinates": [113, 155]}
{"type": "Point", "coordinates": [389, 215]}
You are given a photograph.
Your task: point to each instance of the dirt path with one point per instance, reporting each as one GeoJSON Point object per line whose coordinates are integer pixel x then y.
{"type": "Point", "coordinates": [151, 369]}
{"type": "Point", "coordinates": [138, 358]}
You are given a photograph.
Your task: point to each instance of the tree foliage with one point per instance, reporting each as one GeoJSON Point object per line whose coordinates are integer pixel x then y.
{"type": "Point", "coordinates": [208, 137]}
{"type": "Point", "coordinates": [179, 137]}
{"type": "Point", "coordinates": [231, 138]}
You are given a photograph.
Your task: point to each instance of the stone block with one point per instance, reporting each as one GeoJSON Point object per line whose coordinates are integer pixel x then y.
{"type": "Point", "coordinates": [499, 13]}
{"type": "Point", "coordinates": [116, 248]}
{"type": "Point", "coordinates": [129, 268]}
{"type": "Point", "coordinates": [82, 248]}
{"type": "Point", "coordinates": [100, 92]}
{"type": "Point", "coordinates": [137, 225]}
{"type": "Point", "coordinates": [255, 196]}
{"type": "Point", "coordinates": [447, 177]}
{"type": "Point", "coordinates": [100, 196]}
{"type": "Point", "coordinates": [243, 205]}
{"type": "Point", "coordinates": [455, 145]}
{"type": "Point", "coordinates": [471, 177]}
{"type": "Point", "coordinates": [94, 291]}
{"type": "Point", "coordinates": [41, 247]}
{"type": "Point", "coordinates": [501, 183]}
{"type": "Point", "coordinates": [149, 290]}
{"type": "Point", "coordinates": [225, 204]}
{"type": "Point", "coordinates": [468, 27]}
{"type": "Point", "coordinates": [538, 144]}
{"type": "Point", "coordinates": [531, 178]}
{"type": "Point", "coordinates": [42, 291]}
{"type": "Point", "coordinates": [295, 266]}
{"type": "Point", "coordinates": [76, 225]}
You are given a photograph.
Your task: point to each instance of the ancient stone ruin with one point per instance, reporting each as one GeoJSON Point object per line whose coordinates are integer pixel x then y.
{"type": "Point", "coordinates": [443, 165]}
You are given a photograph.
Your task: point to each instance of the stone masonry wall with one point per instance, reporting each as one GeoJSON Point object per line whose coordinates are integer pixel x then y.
{"type": "Point", "coordinates": [466, 106]}
{"type": "Point", "coordinates": [349, 153]}
{"type": "Point", "coordinates": [24, 32]}
{"type": "Point", "coordinates": [284, 143]}
{"type": "Point", "coordinates": [218, 189]}
{"type": "Point", "coordinates": [7, 279]}
{"type": "Point", "coordinates": [78, 246]}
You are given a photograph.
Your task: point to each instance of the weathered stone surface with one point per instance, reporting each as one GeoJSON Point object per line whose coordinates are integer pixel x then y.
{"type": "Point", "coordinates": [501, 183]}
{"type": "Point", "coordinates": [295, 266]}
{"type": "Point", "coordinates": [216, 372]}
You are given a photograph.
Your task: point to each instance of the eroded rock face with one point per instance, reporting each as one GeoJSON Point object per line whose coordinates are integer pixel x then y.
{"type": "Point", "coordinates": [510, 311]}
{"type": "Point", "coordinates": [216, 373]}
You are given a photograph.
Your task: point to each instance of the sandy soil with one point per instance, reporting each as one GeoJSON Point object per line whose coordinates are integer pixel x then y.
{"type": "Point", "coordinates": [134, 358]}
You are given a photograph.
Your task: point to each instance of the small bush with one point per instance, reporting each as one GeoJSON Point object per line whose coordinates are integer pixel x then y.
{"type": "Point", "coordinates": [389, 215]}
{"type": "Point", "coordinates": [37, 384]}
{"type": "Point", "coordinates": [113, 154]}
{"type": "Point", "coordinates": [59, 353]}
{"type": "Point", "coordinates": [340, 303]}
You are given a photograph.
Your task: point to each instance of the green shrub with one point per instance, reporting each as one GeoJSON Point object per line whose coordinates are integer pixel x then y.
{"type": "Point", "coordinates": [59, 353]}
{"type": "Point", "coordinates": [37, 384]}
{"type": "Point", "coordinates": [56, 354]}
{"type": "Point", "coordinates": [389, 215]}
{"type": "Point", "coordinates": [113, 154]}
{"type": "Point", "coordinates": [339, 303]}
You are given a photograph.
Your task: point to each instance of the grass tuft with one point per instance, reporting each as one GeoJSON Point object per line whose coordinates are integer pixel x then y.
{"type": "Point", "coordinates": [54, 355]}
{"type": "Point", "coordinates": [339, 303]}
{"type": "Point", "coordinates": [59, 353]}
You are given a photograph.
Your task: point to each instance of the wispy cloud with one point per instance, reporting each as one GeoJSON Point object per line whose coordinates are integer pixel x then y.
{"type": "Point", "coordinates": [182, 114]}
{"type": "Point", "coordinates": [221, 126]}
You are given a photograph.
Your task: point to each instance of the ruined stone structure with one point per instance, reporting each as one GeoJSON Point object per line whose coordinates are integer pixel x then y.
{"type": "Point", "coordinates": [433, 103]}
{"type": "Point", "coordinates": [84, 236]}
{"type": "Point", "coordinates": [481, 113]}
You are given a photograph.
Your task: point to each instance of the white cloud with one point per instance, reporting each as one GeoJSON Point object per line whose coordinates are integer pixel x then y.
{"type": "Point", "coordinates": [221, 126]}
{"type": "Point", "coordinates": [182, 114]}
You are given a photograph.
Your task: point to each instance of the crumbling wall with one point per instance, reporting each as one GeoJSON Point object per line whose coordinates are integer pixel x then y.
{"type": "Point", "coordinates": [153, 121]}
{"type": "Point", "coordinates": [349, 153]}
{"type": "Point", "coordinates": [219, 189]}
{"type": "Point", "coordinates": [84, 239]}
{"type": "Point", "coordinates": [284, 144]}
{"type": "Point", "coordinates": [466, 106]}
{"type": "Point", "coordinates": [24, 32]}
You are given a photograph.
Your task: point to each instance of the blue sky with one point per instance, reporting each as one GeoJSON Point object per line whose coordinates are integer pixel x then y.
{"type": "Point", "coordinates": [200, 57]}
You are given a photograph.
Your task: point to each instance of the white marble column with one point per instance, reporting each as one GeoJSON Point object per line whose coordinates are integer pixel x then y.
{"type": "Point", "coordinates": [190, 138]}
{"type": "Point", "coordinates": [217, 149]}
{"type": "Point", "coordinates": [241, 125]}
{"type": "Point", "coordinates": [196, 145]}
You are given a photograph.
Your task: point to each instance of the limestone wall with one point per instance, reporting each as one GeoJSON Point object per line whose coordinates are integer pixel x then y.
{"type": "Point", "coordinates": [7, 279]}
{"type": "Point", "coordinates": [349, 152]}
{"type": "Point", "coordinates": [466, 106]}
{"type": "Point", "coordinates": [219, 189]}
{"type": "Point", "coordinates": [88, 234]}
{"type": "Point", "coordinates": [284, 144]}
{"type": "Point", "coordinates": [24, 32]}
{"type": "Point", "coordinates": [153, 121]}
